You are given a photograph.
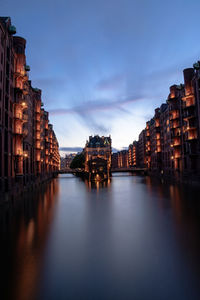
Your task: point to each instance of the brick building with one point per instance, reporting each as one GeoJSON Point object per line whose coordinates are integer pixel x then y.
{"type": "Point", "coordinates": [114, 161]}
{"type": "Point", "coordinates": [123, 159]}
{"type": "Point", "coordinates": [97, 153]}
{"type": "Point", "coordinates": [191, 115]}
{"type": "Point", "coordinates": [142, 149]}
{"type": "Point", "coordinates": [170, 142]}
{"type": "Point", "coordinates": [133, 158]}
{"type": "Point", "coordinates": [6, 102]}
{"type": "Point", "coordinates": [166, 149]}
{"type": "Point", "coordinates": [28, 145]}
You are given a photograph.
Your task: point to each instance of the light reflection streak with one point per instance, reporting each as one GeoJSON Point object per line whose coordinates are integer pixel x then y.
{"type": "Point", "coordinates": [36, 214]}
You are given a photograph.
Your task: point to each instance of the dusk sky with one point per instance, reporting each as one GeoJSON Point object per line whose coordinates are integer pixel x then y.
{"type": "Point", "coordinates": [104, 66]}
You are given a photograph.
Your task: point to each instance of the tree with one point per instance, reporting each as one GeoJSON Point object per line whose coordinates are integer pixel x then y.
{"type": "Point", "coordinates": [78, 161]}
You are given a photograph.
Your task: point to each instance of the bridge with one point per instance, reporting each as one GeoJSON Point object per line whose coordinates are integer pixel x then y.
{"type": "Point", "coordinates": [70, 171]}
{"type": "Point", "coordinates": [131, 169]}
{"type": "Point", "coordinates": [116, 170]}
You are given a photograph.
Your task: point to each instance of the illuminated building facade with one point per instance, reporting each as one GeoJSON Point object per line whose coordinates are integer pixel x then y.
{"type": "Point", "coordinates": [97, 153]}
{"type": "Point", "coordinates": [28, 145]}
{"type": "Point", "coordinates": [175, 127]}
{"type": "Point", "coordinates": [133, 154]}
{"type": "Point", "coordinates": [142, 149]}
{"type": "Point", "coordinates": [130, 155]}
{"type": "Point", "coordinates": [147, 146]}
{"type": "Point", "coordinates": [191, 116]}
{"type": "Point", "coordinates": [155, 141]}
{"type": "Point", "coordinates": [166, 149]}
{"type": "Point", "coordinates": [6, 103]}
{"type": "Point", "coordinates": [170, 142]}
{"type": "Point", "coordinates": [123, 159]}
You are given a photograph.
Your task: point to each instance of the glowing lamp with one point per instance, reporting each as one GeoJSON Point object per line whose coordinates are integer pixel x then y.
{"type": "Point", "coordinates": [25, 154]}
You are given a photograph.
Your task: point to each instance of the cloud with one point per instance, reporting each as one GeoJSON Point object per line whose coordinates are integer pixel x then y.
{"type": "Point", "coordinates": [111, 83]}
{"type": "Point", "coordinates": [94, 125]}
{"type": "Point", "coordinates": [99, 105]}
{"type": "Point", "coordinates": [71, 149]}
{"type": "Point", "coordinates": [79, 149]}
{"type": "Point", "coordinates": [114, 150]}
{"type": "Point", "coordinates": [87, 112]}
{"type": "Point", "coordinates": [50, 82]}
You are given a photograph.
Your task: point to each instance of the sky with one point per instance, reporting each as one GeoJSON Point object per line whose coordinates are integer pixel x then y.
{"type": "Point", "coordinates": [105, 65]}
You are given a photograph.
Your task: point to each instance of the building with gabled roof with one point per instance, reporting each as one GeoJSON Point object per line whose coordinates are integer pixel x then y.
{"type": "Point", "coordinates": [97, 153]}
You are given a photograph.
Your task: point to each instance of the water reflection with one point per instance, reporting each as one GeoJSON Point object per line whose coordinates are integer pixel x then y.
{"type": "Point", "coordinates": [131, 237]}
{"type": "Point", "coordinates": [96, 185]}
{"type": "Point", "coordinates": [24, 228]}
{"type": "Point", "coordinates": [182, 203]}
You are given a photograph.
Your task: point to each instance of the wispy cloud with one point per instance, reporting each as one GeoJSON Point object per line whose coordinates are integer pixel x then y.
{"type": "Point", "coordinates": [71, 149]}
{"type": "Point", "coordinates": [111, 83]}
{"type": "Point", "coordinates": [98, 105]}
{"type": "Point", "coordinates": [97, 126]}
{"type": "Point", "coordinates": [48, 82]}
{"type": "Point", "coordinates": [87, 112]}
{"type": "Point", "coordinates": [79, 149]}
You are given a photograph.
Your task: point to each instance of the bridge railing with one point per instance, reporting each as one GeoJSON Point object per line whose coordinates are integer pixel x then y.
{"type": "Point", "coordinates": [113, 170]}
{"type": "Point", "coordinates": [70, 171]}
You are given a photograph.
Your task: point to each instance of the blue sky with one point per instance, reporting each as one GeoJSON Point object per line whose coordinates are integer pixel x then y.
{"type": "Point", "coordinates": [104, 66]}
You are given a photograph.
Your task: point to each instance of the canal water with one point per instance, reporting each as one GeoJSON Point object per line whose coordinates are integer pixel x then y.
{"type": "Point", "coordinates": [131, 238]}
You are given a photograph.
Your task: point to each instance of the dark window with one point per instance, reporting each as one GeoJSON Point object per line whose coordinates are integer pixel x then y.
{"type": "Point", "coordinates": [5, 141]}
{"type": "Point", "coordinates": [6, 102]}
{"type": "Point", "coordinates": [11, 106]}
{"type": "Point", "coordinates": [0, 152]}
{"type": "Point", "coordinates": [12, 60]}
{"type": "Point", "coordinates": [2, 40]}
{"type": "Point", "coordinates": [8, 53]}
{"type": "Point", "coordinates": [7, 70]}
{"type": "Point", "coordinates": [6, 120]}
{"type": "Point", "coordinates": [10, 119]}
{"type": "Point", "coordinates": [7, 86]}
{"type": "Point", "coordinates": [5, 165]}
{"type": "Point", "coordinates": [20, 50]}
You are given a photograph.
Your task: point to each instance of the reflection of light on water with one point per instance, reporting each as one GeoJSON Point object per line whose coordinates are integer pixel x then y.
{"type": "Point", "coordinates": [171, 190]}
{"type": "Point", "coordinates": [97, 178]}
{"type": "Point", "coordinates": [119, 219]}
{"type": "Point", "coordinates": [31, 236]}
{"type": "Point", "coordinates": [97, 184]}
{"type": "Point", "coordinates": [45, 202]}
{"type": "Point", "coordinates": [30, 232]}
{"type": "Point", "coordinates": [90, 185]}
